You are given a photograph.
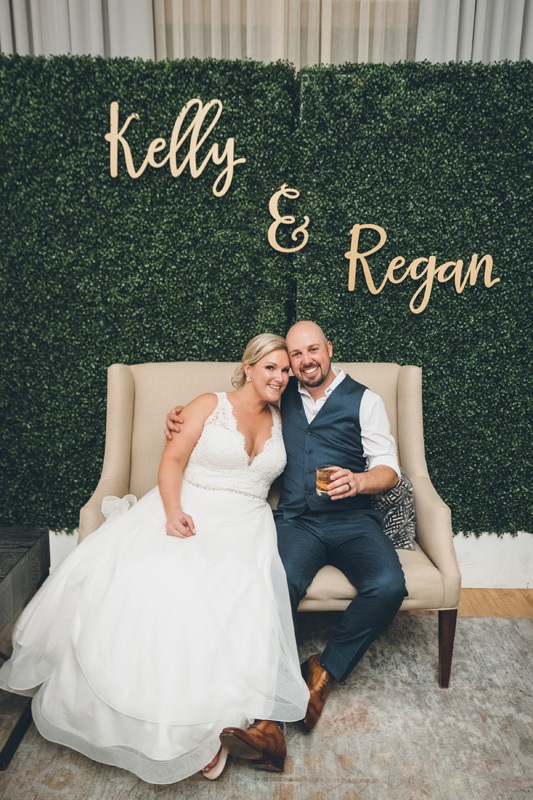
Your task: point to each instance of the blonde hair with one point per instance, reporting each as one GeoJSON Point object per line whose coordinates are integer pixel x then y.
{"type": "Point", "coordinates": [256, 349]}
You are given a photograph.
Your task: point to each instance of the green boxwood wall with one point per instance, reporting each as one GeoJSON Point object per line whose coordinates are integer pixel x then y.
{"type": "Point", "coordinates": [97, 270]}
{"type": "Point", "coordinates": [441, 157]}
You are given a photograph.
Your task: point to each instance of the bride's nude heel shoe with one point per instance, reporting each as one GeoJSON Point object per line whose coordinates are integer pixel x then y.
{"type": "Point", "coordinates": [218, 769]}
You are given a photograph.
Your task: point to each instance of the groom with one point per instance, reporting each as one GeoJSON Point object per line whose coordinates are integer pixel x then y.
{"type": "Point", "coordinates": [328, 418]}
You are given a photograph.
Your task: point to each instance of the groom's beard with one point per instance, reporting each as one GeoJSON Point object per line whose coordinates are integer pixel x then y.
{"type": "Point", "coordinates": [317, 379]}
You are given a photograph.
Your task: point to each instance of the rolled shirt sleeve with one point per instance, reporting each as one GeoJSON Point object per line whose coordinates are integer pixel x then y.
{"type": "Point", "coordinates": [378, 443]}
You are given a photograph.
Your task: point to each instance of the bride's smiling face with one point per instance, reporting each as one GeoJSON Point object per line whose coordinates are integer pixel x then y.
{"type": "Point", "coordinates": [270, 375]}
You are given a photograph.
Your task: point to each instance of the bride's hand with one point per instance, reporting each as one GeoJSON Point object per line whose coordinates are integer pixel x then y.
{"type": "Point", "coordinates": [180, 524]}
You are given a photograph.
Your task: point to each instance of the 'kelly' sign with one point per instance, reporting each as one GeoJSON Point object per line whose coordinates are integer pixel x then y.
{"type": "Point", "coordinates": [177, 157]}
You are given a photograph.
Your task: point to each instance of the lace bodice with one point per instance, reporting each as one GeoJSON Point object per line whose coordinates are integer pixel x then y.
{"type": "Point", "coordinates": [219, 460]}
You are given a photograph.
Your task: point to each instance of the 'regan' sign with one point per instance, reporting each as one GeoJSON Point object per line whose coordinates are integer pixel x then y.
{"type": "Point", "coordinates": [420, 269]}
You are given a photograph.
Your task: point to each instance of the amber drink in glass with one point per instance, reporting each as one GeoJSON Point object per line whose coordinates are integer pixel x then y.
{"type": "Point", "coordinates": [323, 477]}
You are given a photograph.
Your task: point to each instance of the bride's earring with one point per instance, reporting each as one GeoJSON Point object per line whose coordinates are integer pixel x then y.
{"type": "Point", "coordinates": [248, 379]}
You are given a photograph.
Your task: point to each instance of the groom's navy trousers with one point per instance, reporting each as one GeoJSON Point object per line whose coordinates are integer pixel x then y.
{"type": "Point", "coordinates": [354, 542]}
{"type": "Point", "coordinates": [314, 531]}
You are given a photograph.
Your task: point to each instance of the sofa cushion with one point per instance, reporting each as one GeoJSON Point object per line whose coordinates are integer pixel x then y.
{"type": "Point", "coordinates": [330, 590]}
{"type": "Point", "coordinates": [398, 508]}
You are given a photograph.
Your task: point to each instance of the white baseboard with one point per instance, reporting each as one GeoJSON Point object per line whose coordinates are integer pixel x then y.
{"type": "Point", "coordinates": [495, 562]}
{"type": "Point", "coordinates": [489, 562]}
{"type": "Point", "coordinates": [61, 544]}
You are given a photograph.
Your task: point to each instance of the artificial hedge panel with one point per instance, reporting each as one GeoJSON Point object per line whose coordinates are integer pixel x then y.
{"type": "Point", "coordinates": [97, 270]}
{"type": "Point", "coordinates": [441, 157]}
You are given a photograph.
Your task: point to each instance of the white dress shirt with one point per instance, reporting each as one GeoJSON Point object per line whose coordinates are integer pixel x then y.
{"type": "Point", "coordinates": [379, 447]}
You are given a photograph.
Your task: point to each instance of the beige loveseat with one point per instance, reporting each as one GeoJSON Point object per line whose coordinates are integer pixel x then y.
{"type": "Point", "coordinates": [139, 398]}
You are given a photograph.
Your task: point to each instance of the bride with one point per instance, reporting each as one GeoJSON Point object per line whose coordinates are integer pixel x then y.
{"type": "Point", "coordinates": [172, 621]}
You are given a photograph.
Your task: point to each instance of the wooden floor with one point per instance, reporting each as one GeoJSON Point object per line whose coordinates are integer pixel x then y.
{"type": "Point", "coordinates": [496, 603]}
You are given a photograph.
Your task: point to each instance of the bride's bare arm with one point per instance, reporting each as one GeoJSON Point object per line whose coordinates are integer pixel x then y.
{"type": "Point", "coordinates": [174, 460]}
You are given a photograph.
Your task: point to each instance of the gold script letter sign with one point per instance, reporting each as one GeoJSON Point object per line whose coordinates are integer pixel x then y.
{"type": "Point", "coordinates": [292, 194]}
{"type": "Point", "coordinates": [443, 273]}
{"type": "Point", "coordinates": [193, 133]}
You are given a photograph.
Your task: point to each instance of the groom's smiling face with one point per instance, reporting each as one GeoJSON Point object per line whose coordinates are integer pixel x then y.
{"type": "Point", "coordinates": [310, 354]}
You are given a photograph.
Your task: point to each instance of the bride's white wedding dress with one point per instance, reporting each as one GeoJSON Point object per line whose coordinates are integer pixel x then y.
{"type": "Point", "coordinates": [145, 646]}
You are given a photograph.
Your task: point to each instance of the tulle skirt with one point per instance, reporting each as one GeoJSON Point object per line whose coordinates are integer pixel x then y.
{"type": "Point", "coordinates": [141, 647]}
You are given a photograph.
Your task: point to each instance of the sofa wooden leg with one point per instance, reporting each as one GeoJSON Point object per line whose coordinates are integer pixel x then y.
{"type": "Point", "coordinates": [15, 737]}
{"type": "Point", "coordinates": [447, 621]}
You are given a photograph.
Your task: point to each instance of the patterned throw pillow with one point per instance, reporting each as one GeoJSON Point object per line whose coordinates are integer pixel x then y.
{"type": "Point", "coordinates": [398, 508]}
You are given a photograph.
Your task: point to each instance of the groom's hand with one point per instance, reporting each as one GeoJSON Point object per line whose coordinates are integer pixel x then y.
{"type": "Point", "coordinates": [344, 483]}
{"type": "Point", "coordinates": [173, 422]}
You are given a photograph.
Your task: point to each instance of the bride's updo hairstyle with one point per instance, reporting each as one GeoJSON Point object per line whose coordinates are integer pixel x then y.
{"type": "Point", "coordinates": [256, 349]}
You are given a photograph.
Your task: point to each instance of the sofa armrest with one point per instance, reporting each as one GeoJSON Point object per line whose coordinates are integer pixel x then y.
{"type": "Point", "coordinates": [115, 478]}
{"type": "Point", "coordinates": [91, 516]}
{"type": "Point", "coordinates": [435, 536]}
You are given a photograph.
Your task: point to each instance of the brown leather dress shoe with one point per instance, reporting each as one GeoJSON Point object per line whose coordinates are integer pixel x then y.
{"type": "Point", "coordinates": [319, 682]}
{"type": "Point", "coordinates": [262, 743]}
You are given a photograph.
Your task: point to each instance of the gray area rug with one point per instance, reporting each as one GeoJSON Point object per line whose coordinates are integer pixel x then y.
{"type": "Point", "coordinates": [389, 734]}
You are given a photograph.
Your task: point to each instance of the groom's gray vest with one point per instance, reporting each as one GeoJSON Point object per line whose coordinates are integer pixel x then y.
{"type": "Point", "coordinates": [333, 437]}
